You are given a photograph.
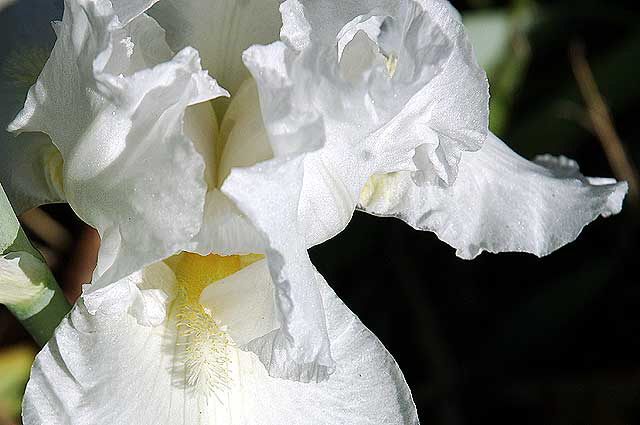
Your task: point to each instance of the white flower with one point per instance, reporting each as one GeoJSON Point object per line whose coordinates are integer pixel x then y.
{"type": "Point", "coordinates": [372, 104]}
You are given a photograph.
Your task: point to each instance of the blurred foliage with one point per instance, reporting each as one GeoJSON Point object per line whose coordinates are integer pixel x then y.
{"type": "Point", "coordinates": [499, 37]}
{"type": "Point", "coordinates": [15, 363]}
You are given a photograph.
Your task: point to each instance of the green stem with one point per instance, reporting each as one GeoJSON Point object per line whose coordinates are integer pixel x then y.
{"type": "Point", "coordinates": [42, 305]}
{"type": "Point", "coordinates": [42, 324]}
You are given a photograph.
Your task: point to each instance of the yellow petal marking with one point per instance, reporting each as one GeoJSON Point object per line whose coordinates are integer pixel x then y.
{"type": "Point", "coordinates": [391, 63]}
{"type": "Point", "coordinates": [206, 342]}
{"type": "Point", "coordinates": [195, 272]}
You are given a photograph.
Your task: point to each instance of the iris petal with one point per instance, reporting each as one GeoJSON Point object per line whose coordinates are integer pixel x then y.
{"type": "Point", "coordinates": [500, 202]}
{"type": "Point", "coordinates": [220, 30]}
{"type": "Point", "coordinates": [112, 97]}
{"type": "Point", "coordinates": [93, 357]}
{"type": "Point", "coordinates": [332, 122]}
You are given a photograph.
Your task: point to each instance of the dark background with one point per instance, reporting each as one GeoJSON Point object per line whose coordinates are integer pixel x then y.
{"type": "Point", "coordinates": [509, 338]}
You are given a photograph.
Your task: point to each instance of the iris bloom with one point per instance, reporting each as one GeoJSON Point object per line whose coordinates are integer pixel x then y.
{"type": "Point", "coordinates": [208, 187]}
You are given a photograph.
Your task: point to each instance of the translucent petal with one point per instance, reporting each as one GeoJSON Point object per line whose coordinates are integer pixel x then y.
{"type": "Point", "coordinates": [128, 10]}
{"type": "Point", "coordinates": [500, 202]}
{"type": "Point", "coordinates": [249, 290]}
{"type": "Point", "coordinates": [113, 98]}
{"type": "Point", "coordinates": [220, 30]}
{"type": "Point", "coordinates": [242, 130]}
{"type": "Point", "coordinates": [111, 370]}
{"type": "Point", "coordinates": [201, 126]}
{"type": "Point", "coordinates": [30, 171]}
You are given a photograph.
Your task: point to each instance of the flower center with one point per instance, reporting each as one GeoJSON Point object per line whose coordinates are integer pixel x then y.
{"type": "Point", "coordinates": [204, 340]}
{"type": "Point", "coordinates": [242, 140]}
{"type": "Point", "coordinates": [391, 63]}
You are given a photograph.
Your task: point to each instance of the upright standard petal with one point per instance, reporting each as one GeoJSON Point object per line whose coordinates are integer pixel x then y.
{"type": "Point", "coordinates": [500, 202]}
{"type": "Point", "coordinates": [354, 89]}
{"type": "Point", "coordinates": [112, 97]}
{"type": "Point", "coordinates": [30, 165]}
{"type": "Point", "coordinates": [92, 358]}
{"type": "Point", "coordinates": [240, 142]}
{"type": "Point", "coordinates": [128, 10]}
{"type": "Point", "coordinates": [416, 102]}
{"type": "Point", "coordinates": [220, 30]}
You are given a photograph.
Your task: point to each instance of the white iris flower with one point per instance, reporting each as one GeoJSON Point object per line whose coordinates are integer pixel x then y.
{"type": "Point", "coordinates": [208, 187]}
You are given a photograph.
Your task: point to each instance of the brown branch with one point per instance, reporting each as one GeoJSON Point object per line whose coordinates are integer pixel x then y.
{"type": "Point", "coordinates": [81, 262]}
{"type": "Point", "coordinates": [602, 122]}
{"type": "Point", "coordinates": [46, 228]}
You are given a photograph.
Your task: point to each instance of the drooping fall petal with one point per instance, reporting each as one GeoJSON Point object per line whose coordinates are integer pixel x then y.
{"type": "Point", "coordinates": [93, 357]}
{"type": "Point", "coordinates": [499, 202]}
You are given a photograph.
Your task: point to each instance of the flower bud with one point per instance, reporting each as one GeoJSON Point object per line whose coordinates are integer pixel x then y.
{"type": "Point", "coordinates": [25, 284]}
